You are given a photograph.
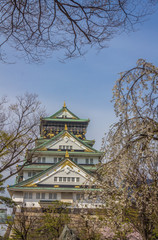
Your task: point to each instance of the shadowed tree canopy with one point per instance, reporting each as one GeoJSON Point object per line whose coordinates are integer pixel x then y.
{"type": "Point", "coordinates": [37, 28]}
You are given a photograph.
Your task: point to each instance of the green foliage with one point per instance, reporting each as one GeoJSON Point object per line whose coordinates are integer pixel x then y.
{"type": "Point", "coordinates": [53, 221]}
{"type": "Point", "coordinates": [88, 229]}
{"type": "Point", "coordinates": [5, 200]}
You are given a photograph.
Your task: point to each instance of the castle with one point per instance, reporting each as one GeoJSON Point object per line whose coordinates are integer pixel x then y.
{"type": "Point", "coordinates": [60, 166]}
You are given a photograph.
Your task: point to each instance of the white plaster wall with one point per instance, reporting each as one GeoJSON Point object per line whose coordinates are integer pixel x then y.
{"type": "Point", "coordinates": [80, 160]}
{"type": "Point", "coordinates": [50, 180]}
{"type": "Point", "coordinates": [18, 197]}
{"type": "Point", "coordinates": [70, 142]}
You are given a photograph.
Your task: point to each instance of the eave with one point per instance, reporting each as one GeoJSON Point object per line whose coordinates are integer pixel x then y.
{"type": "Point", "coordinates": [41, 166]}
{"type": "Point", "coordinates": [53, 189]}
{"type": "Point", "coordinates": [62, 153]}
{"type": "Point", "coordinates": [66, 120]}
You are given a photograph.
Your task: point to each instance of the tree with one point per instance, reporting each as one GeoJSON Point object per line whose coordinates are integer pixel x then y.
{"type": "Point", "coordinates": [22, 226]}
{"type": "Point", "coordinates": [40, 27]}
{"type": "Point", "coordinates": [19, 127]}
{"type": "Point", "coordinates": [3, 199]}
{"type": "Point", "coordinates": [129, 179]}
{"type": "Point", "coordinates": [53, 221]}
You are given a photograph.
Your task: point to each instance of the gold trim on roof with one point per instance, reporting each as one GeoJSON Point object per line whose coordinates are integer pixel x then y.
{"type": "Point", "coordinates": [65, 127]}
{"type": "Point", "coordinates": [43, 149]}
{"type": "Point", "coordinates": [66, 154]}
{"type": "Point", "coordinates": [64, 104]}
{"type": "Point", "coordinates": [67, 163]}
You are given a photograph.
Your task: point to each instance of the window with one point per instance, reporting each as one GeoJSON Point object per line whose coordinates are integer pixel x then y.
{"type": "Point", "coordinates": [91, 161]}
{"type": "Point", "coordinates": [77, 179]}
{"type": "Point", "coordinates": [39, 159]}
{"type": "Point", "coordinates": [55, 160]}
{"type": "Point", "coordinates": [50, 195]}
{"type": "Point", "coordinates": [43, 195]}
{"type": "Point", "coordinates": [66, 179]}
{"type": "Point", "coordinates": [55, 195]}
{"type": "Point", "coordinates": [30, 195]}
{"type": "Point", "coordinates": [78, 196]}
{"type": "Point", "coordinates": [34, 173]}
{"type": "Point", "coordinates": [75, 159]}
{"type": "Point", "coordinates": [37, 195]}
{"type": "Point", "coordinates": [59, 159]}
{"type": "Point", "coordinates": [43, 159]}
{"type": "Point", "coordinates": [26, 195]}
{"type": "Point", "coordinates": [63, 147]}
{"type": "Point", "coordinates": [70, 147]}
{"type": "Point", "coordinates": [87, 161]}
{"type": "Point", "coordinates": [60, 146]}
{"type": "Point", "coordinates": [67, 147]}
{"type": "Point", "coordinates": [55, 179]}
{"type": "Point", "coordinates": [29, 174]}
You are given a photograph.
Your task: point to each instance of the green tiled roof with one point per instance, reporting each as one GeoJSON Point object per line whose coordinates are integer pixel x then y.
{"type": "Point", "coordinates": [66, 120]}
{"type": "Point", "coordinates": [46, 170]}
{"type": "Point", "coordinates": [51, 188]}
{"type": "Point", "coordinates": [62, 153]}
{"type": "Point", "coordinates": [60, 134]}
{"type": "Point", "coordinates": [60, 111]}
{"type": "Point", "coordinates": [46, 166]}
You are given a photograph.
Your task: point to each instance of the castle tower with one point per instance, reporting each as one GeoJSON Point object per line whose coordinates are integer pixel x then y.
{"type": "Point", "coordinates": [61, 164]}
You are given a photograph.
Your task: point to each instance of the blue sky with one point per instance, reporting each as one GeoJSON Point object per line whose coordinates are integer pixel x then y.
{"type": "Point", "coordinates": [84, 83]}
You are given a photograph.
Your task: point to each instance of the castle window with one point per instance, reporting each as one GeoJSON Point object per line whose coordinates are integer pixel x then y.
{"type": "Point", "coordinates": [55, 179]}
{"type": "Point", "coordinates": [64, 179]}
{"type": "Point", "coordinates": [30, 195]}
{"type": "Point", "coordinates": [39, 159]}
{"type": "Point", "coordinates": [43, 195]}
{"type": "Point", "coordinates": [60, 179]}
{"type": "Point", "coordinates": [60, 147]}
{"type": "Point", "coordinates": [75, 160]}
{"type": "Point", "coordinates": [68, 179]}
{"type": "Point", "coordinates": [78, 196]}
{"type": "Point", "coordinates": [73, 179]}
{"type": "Point", "coordinates": [50, 195]}
{"type": "Point", "coordinates": [37, 195]}
{"type": "Point", "coordinates": [34, 173]}
{"type": "Point", "coordinates": [91, 161]}
{"type": "Point", "coordinates": [26, 195]}
{"type": "Point", "coordinates": [55, 195]}
{"type": "Point", "coordinates": [55, 160]}
{"type": "Point", "coordinates": [87, 161]}
{"type": "Point", "coordinates": [43, 159]}
{"type": "Point", "coordinates": [70, 147]}
{"type": "Point", "coordinates": [59, 159]}
{"type": "Point", "coordinates": [77, 179]}
{"type": "Point", "coordinates": [29, 174]}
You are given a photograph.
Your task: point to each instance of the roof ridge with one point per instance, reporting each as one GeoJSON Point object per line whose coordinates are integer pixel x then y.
{"type": "Point", "coordinates": [61, 110]}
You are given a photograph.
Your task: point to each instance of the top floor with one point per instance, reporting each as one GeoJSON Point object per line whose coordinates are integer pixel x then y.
{"type": "Point", "coordinates": [53, 125]}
